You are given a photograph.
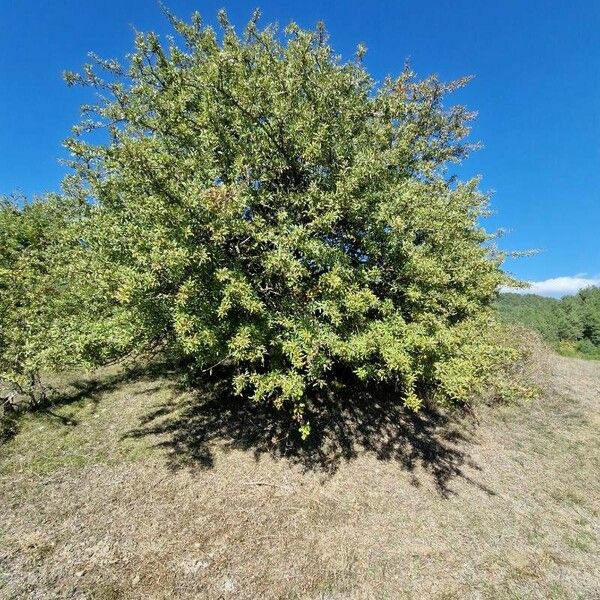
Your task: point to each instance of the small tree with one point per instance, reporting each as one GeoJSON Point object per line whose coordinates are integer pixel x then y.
{"type": "Point", "coordinates": [29, 235]}
{"type": "Point", "coordinates": [56, 307]}
{"type": "Point", "coordinates": [269, 207]}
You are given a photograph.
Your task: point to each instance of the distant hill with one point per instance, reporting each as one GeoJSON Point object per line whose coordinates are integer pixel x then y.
{"type": "Point", "coordinates": [571, 324]}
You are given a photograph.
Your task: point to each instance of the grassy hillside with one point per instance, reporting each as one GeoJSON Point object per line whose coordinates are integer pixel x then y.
{"type": "Point", "coordinates": [571, 325]}
{"type": "Point", "coordinates": [132, 488]}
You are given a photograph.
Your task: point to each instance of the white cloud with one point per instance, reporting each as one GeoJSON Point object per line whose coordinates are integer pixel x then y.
{"type": "Point", "coordinates": [558, 286]}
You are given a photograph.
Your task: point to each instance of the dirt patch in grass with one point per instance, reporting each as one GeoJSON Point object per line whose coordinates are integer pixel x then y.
{"type": "Point", "coordinates": [139, 490]}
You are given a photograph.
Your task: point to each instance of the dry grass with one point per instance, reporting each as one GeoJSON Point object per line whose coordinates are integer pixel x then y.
{"type": "Point", "coordinates": [133, 489]}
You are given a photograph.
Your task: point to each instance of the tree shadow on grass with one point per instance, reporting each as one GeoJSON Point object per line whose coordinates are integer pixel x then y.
{"type": "Point", "coordinates": [72, 390]}
{"type": "Point", "coordinates": [348, 420]}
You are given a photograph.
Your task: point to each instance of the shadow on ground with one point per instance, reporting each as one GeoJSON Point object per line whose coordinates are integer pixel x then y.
{"type": "Point", "coordinates": [351, 419]}
{"type": "Point", "coordinates": [71, 390]}
{"type": "Point", "coordinates": [348, 420]}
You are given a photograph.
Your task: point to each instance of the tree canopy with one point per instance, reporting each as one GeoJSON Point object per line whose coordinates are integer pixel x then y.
{"type": "Point", "coordinates": [257, 203]}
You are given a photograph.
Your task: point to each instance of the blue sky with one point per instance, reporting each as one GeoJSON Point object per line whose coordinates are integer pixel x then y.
{"type": "Point", "coordinates": [537, 90]}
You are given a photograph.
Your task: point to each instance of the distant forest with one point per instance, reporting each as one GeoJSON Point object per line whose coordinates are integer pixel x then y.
{"type": "Point", "coordinates": [571, 324]}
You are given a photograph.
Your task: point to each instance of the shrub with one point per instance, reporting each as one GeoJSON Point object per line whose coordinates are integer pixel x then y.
{"type": "Point", "coordinates": [29, 233]}
{"type": "Point", "coordinates": [55, 296]}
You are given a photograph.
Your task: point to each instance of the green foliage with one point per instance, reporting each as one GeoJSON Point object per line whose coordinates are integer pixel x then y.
{"type": "Point", "coordinates": [571, 324]}
{"type": "Point", "coordinates": [54, 296]}
{"type": "Point", "coordinates": [260, 204]}
{"type": "Point", "coordinates": [29, 239]}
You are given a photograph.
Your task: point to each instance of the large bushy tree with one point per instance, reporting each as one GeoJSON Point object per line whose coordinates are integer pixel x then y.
{"type": "Point", "coordinates": [263, 205]}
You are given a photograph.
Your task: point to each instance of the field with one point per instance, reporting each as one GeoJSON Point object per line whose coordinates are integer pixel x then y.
{"type": "Point", "coordinates": [132, 488]}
